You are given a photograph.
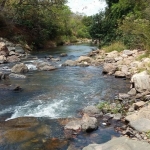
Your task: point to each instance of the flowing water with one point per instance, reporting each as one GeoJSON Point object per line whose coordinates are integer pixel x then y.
{"type": "Point", "coordinates": [61, 93]}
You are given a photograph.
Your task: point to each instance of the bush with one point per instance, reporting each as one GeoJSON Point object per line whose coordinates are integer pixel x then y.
{"type": "Point", "coordinates": [117, 46]}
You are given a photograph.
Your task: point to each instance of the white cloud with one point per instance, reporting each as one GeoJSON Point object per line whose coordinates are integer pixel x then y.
{"type": "Point", "coordinates": [89, 7]}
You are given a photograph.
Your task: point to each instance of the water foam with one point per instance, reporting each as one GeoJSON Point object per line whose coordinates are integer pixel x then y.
{"type": "Point", "coordinates": [39, 109]}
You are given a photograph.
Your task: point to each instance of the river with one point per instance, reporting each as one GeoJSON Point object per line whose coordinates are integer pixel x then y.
{"type": "Point", "coordinates": [61, 93]}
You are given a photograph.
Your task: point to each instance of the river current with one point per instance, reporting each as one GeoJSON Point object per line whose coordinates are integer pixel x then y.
{"type": "Point", "coordinates": [61, 93]}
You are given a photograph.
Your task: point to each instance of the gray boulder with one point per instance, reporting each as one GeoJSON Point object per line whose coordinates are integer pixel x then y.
{"type": "Point", "coordinates": [89, 123]}
{"type": "Point", "coordinates": [19, 49]}
{"type": "Point", "coordinates": [141, 81]}
{"type": "Point", "coordinates": [19, 68]}
{"type": "Point", "coordinates": [109, 68]}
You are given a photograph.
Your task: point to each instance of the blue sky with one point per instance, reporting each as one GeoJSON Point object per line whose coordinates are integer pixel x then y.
{"type": "Point", "coordinates": [89, 7]}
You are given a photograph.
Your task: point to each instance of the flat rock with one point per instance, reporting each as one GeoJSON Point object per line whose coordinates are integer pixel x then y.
{"type": "Point", "coordinates": [73, 125]}
{"type": "Point", "coordinates": [141, 125]}
{"type": "Point", "coordinates": [13, 75]}
{"type": "Point", "coordinates": [119, 74]}
{"type": "Point", "coordinates": [121, 143]}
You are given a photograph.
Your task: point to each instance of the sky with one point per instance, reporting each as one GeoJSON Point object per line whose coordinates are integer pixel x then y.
{"type": "Point", "coordinates": [89, 7]}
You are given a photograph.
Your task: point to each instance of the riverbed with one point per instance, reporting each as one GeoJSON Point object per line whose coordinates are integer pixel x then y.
{"type": "Point", "coordinates": [49, 96]}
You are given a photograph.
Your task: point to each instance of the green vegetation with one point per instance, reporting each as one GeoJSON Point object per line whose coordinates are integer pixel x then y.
{"type": "Point", "coordinates": [117, 46]}
{"type": "Point", "coordinates": [36, 22]}
{"type": "Point", "coordinates": [107, 107]}
{"type": "Point", "coordinates": [124, 22]}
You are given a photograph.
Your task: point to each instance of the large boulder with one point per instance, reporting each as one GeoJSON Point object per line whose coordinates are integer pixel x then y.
{"type": "Point", "coordinates": [69, 63]}
{"type": "Point", "coordinates": [19, 68]}
{"type": "Point", "coordinates": [109, 68]}
{"type": "Point", "coordinates": [84, 58]}
{"type": "Point", "coordinates": [13, 58]}
{"type": "Point", "coordinates": [121, 143]}
{"type": "Point", "coordinates": [89, 123]}
{"type": "Point", "coordinates": [3, 49]}
{"type": "Point", "coordinates": [141, 81]}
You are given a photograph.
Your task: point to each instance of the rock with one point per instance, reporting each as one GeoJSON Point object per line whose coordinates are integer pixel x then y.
{"type": "Point", "coordinates": [117, 116]}
{"type": "Point", "coordinates": [84, 58]}
{"type": "Point", "coordinates": [63, 55]}
{"type": "Point", "coordinates": [13, 58]}
{"type": "Point", "coordinates": [19, 49]}
{"type": "Point", "coordinates": [113, 54]}
{"type": "Point", "coordinates": [69, 63]}
{"type": "Point", "coordinates": [15, 88]}
{"type": "Point", "coordinates": [123, 96]}
{"type": "Point", "coordinates": [11, 49]}
{"type": "Point", "coordinates": [141, 125]}
{"type": "Point", "coordinates": [73, 125]}
{"type": "Point", "coordinates": [19, 68]}
{"type": "Point", "coordinates": [128, 52]}
{"type": "Point", "coordinates": [132, 92]}
{"type": "Point", "coordinates": [109, 68]}
{"type": "Point", "coordinates": [47, 68]}
{"type": "Point", "coordinates": [118, 58]}
{"type": "Point", "coordinates": [11, 53]}
{"type": "Point", "coordinates": [3, 49]}
{"type": "Point", "coordinates": [139, 104]}
{"type": "Point", "coordinates": [141, 81]}
{"type": "Point", "coordinates": [119, 74]}
{"type": "Point", "coordinates": [92, 111]}
{"type": "Point", "coordinates": [140, 120]}
{"type": "Point", "coordinates": [55, 59]}
{"type": "Point", "coordinates": [2, 59]}
{"type": "Point", "coordinates": [124, 69]}
{"type": "Point", "coordinates": [12, 75]}
{"type": "Point", "coordinates": [89, 123]}
{"type": "Point", "coordinates": [121, 143]}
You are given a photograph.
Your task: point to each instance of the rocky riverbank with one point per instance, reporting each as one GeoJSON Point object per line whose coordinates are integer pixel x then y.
{"type": "Point", "coordinates": [128, 113]}
{"type": "Point", "coordinates": [132, 108]}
